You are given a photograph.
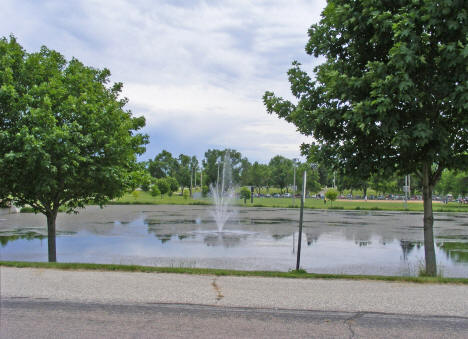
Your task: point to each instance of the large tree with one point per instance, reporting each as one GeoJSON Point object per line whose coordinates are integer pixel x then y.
{"type": "Point", "coordinates": [163, 165]}
{"type": "Point", "coordinates": [214, 160]}
{"type": "Point", "coordinates": [66, 138]}
{"type": "Point", "coordinates": [391, 94]}
{"type": "Point", "coordinates": [281, 170]}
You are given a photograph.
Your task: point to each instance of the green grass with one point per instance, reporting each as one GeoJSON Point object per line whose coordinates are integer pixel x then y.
{"type": "Point", "coordinates": [370, 205]}
{"type": "Point", "coordinates": [222, 272]}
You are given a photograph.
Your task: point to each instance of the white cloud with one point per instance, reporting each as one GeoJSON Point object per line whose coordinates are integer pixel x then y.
{"type": "Point", "coordinates": [195, 69]}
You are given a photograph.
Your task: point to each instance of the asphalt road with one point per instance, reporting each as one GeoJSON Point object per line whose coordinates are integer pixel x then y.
{"type": "Point", "coordinates": [29, 318]}
{"type": "Point", "coordinates": [44, 303]}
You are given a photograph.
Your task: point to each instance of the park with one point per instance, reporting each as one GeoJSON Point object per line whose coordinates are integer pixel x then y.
{"type": "Point", "coordinates": [182, 170]}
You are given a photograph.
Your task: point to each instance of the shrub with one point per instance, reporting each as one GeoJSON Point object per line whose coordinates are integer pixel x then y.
{"type": "Point", "coordinates": [155, 191]}
{"type": "Point", "coordinates": [245, 194]}
{"type": "Point", "coordinates": [331, 195]}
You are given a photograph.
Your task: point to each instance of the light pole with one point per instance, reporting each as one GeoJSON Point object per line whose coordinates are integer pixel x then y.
{"type": "Point", "coordinates": [295, 161]}
{"type": "Point", "coordinates": [301, 216]}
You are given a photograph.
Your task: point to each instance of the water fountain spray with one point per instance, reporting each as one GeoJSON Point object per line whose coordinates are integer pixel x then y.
{"type": "Point", "coordinates": [223, 195]}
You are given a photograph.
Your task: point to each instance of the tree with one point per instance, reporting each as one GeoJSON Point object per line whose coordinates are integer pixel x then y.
{"type": "Point", "coordinates": [245, 194]}
{"type": "Point", "coordinates": [163, 186]}
{"type": "Point", "coordinates": [193, 168]}
{"type": "Point", "coordinates": [391, 95]}
{"type": "Point", "coordinates": [258, 175]}
{"type": "Point", "coordinates": [281, 171]}
{"type": "Point", "coordinates": [66, 138]}
{"type": "Point", "coordinates": [331, 195]}
{"type": "Point", "coordinates": [183, 173]}
{"type": "Point", "coordinates": [155, 191]}
{"type": "Point", "coordinates": [173, 185]}
{"type": "Point", "coordinates": [214, 159]}
{"type": "Point", "coordinates": [163, 165]}
{"type": "Point", "coordinates": [244, 173]}
{"type": "Point", "coordinates": [312, 180]}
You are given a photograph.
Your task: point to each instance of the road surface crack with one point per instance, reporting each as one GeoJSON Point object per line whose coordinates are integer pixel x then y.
{"type": "Point", "coordinates": [349, 323]}
{"type": "Point", "coordinates": [217, 289]}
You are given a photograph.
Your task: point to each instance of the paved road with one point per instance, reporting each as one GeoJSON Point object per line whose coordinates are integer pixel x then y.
{"type": "Point", "coordinates": [29, 318]}
{"type": "Point", "coordinates": [110, 304]}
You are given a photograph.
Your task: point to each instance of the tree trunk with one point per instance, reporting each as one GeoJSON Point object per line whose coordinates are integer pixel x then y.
{"type": "Point", "coordinates": [365, 191]}
{"type": "Point", "coordinates": [51, 236]}
{"type": "Point", "coordinates": [429, 250]}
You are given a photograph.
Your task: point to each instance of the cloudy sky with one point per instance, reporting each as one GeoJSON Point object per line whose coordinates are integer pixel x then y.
{"type": "Point", "coordinates": [196, 70]}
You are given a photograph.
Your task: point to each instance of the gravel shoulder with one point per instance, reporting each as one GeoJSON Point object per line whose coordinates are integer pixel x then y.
{"type": "Point", "coordinates": [251, 292]}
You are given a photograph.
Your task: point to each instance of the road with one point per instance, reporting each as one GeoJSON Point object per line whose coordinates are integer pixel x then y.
{"type": "Point", "coordinates": [88, 304]}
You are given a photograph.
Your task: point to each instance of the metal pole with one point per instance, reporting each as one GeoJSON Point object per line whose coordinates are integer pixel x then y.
{"type": "Point", "coordinates": [294, 187]}
{"type": "Point", "coordinates": [301, 216]}
{"type": "Point", "coordinates": [409, 186]}
{"type": "Point", "coordinates": [406, 192]}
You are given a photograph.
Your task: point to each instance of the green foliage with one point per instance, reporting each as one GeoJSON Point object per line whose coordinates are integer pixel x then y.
{"type": "Point", "coordinates": [65, 135]}
{"type": "Point", "coordinates": [259, 175]}
{"type": "Point", "coordinates": [393, 91]}
{"type": "Point", "coordinates": [173, 184]}
{"type": "Point", "coordinates": [313, 184]}
{"type": "Point", "coordinates": [245, 194]}
{"type": "Point", "coordinates": [281, 171]}
{"type": "Point", "coordinates": [155, 191]}
{"type": "Point", "coordinates": [392, 94]}
{"type": "Point", "coordinates": [453, 182]}
{"type": "Point", "coordinates": [163, 165]}
{"type": "Point", "coordinates": [163, 186]}
{"type": "Point", "coordinates": [213, 157]}
{"type": "Point", "coordinates": [331, 195]}
{"type": "Point", "coordinates": [186, 194]}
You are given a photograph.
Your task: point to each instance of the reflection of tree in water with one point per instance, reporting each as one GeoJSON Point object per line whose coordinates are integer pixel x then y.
{"type": "Point", "coordinates": [408, 246]}
{"type": "Point", "coordinates": [363, 243]}
{"type": "Point", "coordinates": [164, 237]}
{"type": "Point", "coordinates": [5, 239]}
{"type": "Point", "coordinates": [10, 236]}
{"type": "Point", "coordinates": [279, 236]}
{"type": "Point", "coordinates": [455, 251]}
{"type": "Point", "coordinates": [225, 240]}
{"type": "Point", "coordinates": [311, 238]}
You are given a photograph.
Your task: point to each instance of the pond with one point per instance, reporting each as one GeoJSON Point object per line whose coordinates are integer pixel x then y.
{"type": "Point", "coordinates": [348, 242]}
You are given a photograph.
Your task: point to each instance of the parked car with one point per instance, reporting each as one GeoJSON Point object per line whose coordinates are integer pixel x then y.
{"type": "Point", "coordinates": [287, 195]}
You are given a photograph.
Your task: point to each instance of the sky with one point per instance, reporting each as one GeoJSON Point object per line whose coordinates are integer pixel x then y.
{"type": "Point", "coordinates": [196, 70]}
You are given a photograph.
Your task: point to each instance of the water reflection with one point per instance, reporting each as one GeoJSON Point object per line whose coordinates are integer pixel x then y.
{"type": "Point", "coordinates": [5, 239]}
{"type": "Point", "coordinates": [456, 251]}
{"type": "Point", "coordinates": [333, 241]}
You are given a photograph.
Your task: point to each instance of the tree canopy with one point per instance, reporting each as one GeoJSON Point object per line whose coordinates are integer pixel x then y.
{"type": "Point", "coordinates": [392, 93]}
{"type": "Point", "coordinates": [66, 138]}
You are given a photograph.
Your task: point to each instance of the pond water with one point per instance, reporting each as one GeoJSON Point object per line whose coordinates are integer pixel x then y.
{"type": "Point", "coordinates": [351, 242]}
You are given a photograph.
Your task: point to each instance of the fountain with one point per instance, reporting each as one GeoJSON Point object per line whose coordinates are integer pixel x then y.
{"type": "Point", "coordinates": [223, 194]}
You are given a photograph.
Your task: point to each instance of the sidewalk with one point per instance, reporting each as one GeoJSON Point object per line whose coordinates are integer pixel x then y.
{"type": "Point", "coordinates": [255, 292]}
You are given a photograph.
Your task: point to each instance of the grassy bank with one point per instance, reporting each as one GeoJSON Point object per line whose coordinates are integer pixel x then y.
{"type": "Point", "coordinates": [223, 272]}
{"type": "Point", "coordinates": [372, 205]}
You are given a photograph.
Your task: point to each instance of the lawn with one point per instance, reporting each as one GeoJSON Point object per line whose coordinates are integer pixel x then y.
{"type": "Point", "coordinates": [385, 205]}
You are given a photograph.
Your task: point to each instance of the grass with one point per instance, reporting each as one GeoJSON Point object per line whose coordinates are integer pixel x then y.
{"type": "Point", "coordinates": [371, 205]}
{"type": "Point", "coordinates": [145, 198]}
{"type": "Point", "coordinates": [223, 272]}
